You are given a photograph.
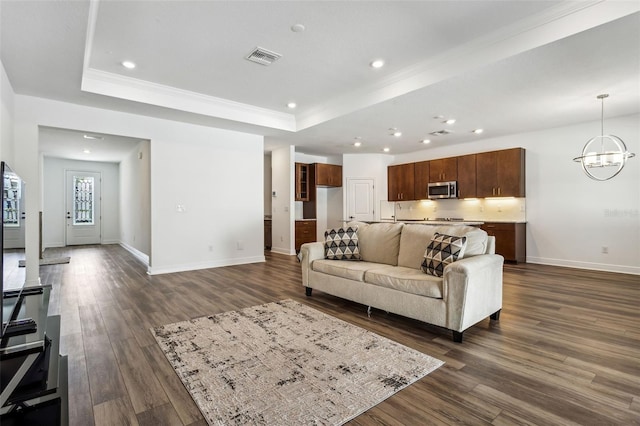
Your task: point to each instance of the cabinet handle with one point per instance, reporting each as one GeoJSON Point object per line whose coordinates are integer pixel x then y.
{"type": "Point", "coordinates": [499, 191]}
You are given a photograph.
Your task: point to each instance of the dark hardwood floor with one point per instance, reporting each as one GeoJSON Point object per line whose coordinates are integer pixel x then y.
{"type": "Point", "coordinates": [565, 351]}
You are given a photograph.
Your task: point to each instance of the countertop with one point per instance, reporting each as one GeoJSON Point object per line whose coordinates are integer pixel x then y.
{"type": "Point", "coordinates": [432, 222]}
{"type": "Point", "coordinates": [442, 222]}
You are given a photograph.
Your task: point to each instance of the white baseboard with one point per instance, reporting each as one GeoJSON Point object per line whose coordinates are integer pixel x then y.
{"type": "Point", "coordinates": [286, 251]}
{"type": "Point", "coordinates": [110, 242]}
{"type": "Point", "coordinates": [53, 245]}
{"type": "Point", "coordinates": [137, 253]}
{"type": "Point", "coordinates": [622, 269]}
{"type": "Point", "coordinates": [204, 265]}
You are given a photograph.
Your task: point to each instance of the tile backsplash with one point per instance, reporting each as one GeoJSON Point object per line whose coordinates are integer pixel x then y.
{"type": "Point", "coordinates": [481, 209]}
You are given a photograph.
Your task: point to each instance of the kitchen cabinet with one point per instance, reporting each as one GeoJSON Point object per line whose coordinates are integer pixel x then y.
{"type": "Point", "coordinates": [511, 240]}
{"type": "Point", "coordinates": [501, 173]}
{"type": "Point", "coordinates": [400, 186]}
{"type": "Point", "coordinates": [302, 182]}
{"type": "Point", "coordinates": [443, 170]}
{"type": "Point", "coordinates": [328, 175]}
{"type": "Point", "coordinates": [420, 180]}
{"type": "Point", "coordinates": [467, 176]}
{"type": "Point", "coordinates": [305, 232]}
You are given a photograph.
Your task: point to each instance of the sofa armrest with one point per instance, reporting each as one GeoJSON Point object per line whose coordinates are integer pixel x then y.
{"type": "Point", "coordinates": [472, 289]}
{"type": "Point", "coordinates": [308, 253]}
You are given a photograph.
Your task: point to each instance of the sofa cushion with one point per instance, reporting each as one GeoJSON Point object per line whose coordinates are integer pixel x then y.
{"type": "Point", "coordinates": [341, 244]}
{"type": "Point", "coordinates": [441, 251]}
{"type": "Point", "coordinates": [407, 280]}
{"type": "Point", "coordinates": [476, 237]}
{"type": "Point", "coordinates": [379, 242]}
{"type": "Point", "coordinates": [413, 242]}
{"type": "Point", "coordinates": [350, 270]}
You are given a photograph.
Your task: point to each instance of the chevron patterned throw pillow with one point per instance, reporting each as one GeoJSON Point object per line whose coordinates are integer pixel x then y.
{"type": "Point", "coordinates": [441, 251]}
{"type": "Point", "coordinates": [341, 244]}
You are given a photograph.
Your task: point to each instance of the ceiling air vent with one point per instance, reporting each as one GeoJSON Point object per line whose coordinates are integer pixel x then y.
{"type": "Point", "coordinates": [263, 56]}
{"type": "Point", "coordinates": [441, 132]}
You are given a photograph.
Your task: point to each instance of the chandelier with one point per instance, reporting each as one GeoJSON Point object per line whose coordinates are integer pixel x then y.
{"type": "Point", "coordinates": [604, 156]}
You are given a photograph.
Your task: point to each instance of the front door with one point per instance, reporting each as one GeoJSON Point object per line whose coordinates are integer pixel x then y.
{"type": "Point", "coordinates": [360, 199]}
{"type": "Point", "coordinates": [83, 208]}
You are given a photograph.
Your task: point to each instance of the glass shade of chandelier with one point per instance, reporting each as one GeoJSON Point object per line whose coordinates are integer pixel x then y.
{"type": "Point", "coordinates": [604, 156]}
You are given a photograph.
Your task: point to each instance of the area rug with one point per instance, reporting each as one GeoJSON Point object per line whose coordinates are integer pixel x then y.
{"type": "Point", "coordinates": [47, 261]}
{"type": "Point", "coordinates": [285, 363]}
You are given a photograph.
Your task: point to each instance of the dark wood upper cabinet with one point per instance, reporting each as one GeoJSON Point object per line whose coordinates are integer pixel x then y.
{"type": "Point", "coordinates": [443, 170]}
{"type": "Point", "coordinates": [467, 176]}
{"type": "Point", "coordinates": [488, 174]}
{"type": "Point", "coordinates": [328, 175]}
{"type": "Point", "coordinates": [302, 182]}
{"type": "Point", "coordinates": [400, 185]}
{"type": "Point", "coordinates": [420, 180]}
{"type": "Point", "coordinates": [501, 173]}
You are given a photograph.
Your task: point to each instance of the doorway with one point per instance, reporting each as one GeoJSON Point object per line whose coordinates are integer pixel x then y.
{"type": "Point", "coordinates": [360, 199]}
{"type": "Point", "coordinates": [83, 208]}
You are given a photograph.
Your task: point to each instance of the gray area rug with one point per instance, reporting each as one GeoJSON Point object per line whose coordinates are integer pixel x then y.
{"type": "Point", "coordinates": [285, 363]}
{"type": "Point", "coordinates": [47, 261]}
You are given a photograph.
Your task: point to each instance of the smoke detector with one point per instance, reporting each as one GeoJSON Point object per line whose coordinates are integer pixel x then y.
{"type": "Point", "coordinates": [442, 132]}
{"type": "Point", "coordinates": [262, 56]}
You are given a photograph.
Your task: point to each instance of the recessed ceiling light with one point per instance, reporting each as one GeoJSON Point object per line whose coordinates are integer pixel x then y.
{"type": "Point", "coordinates": [386, 149]}
{"type": "Point", "coordinates": [450, 121]}
{"type": "Point", "coordinates": [87, 151]}
{"type": "Point", "coordinates": [478, 131]}
{"type": "Point", "coordinates": [92, 137]}
{"type": "Point", "coordinates": [378, 63]}
{"type": "Point", "coordinates": [298, 28]}
{"type": "Point", "coordinates": [397, 134]}
{"type": "Point", "coordinates": [291, 105]}
{"type": "Point", "coordinates": [438, 117]}
{"type": "Point", "coordinates": [425, 141]}
{"type": "Point", "coordinates": [357, 144]}
{"type": "Point", "coordinates": [128, 65]}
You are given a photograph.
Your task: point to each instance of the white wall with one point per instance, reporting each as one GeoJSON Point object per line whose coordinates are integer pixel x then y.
{"type": "Point", "coordinates": [54, 204]}
{"type": "Point", "coordinates": [135, 201]}
{"type": "Point", "coordinates": [283, 207]}
{"type": "Point", "coordinates": [215, 174]}
{"type": "Point", "coordinates": [569, 216]}
{"type": "Point", "coordinates": [6, 118]}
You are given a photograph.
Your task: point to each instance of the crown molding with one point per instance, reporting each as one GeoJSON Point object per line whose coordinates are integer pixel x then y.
{"type": "Point", "coordinates": [119, 86]}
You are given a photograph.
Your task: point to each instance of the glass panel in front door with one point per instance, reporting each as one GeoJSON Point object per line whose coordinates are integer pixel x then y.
{"type": "Point", "coordinates": [83, 202]}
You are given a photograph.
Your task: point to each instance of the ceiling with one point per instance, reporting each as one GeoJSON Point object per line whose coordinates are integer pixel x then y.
{"type": "Point", "coordinates": [504, 66]}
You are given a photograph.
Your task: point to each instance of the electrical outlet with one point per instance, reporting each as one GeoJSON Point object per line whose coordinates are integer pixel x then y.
{"type": "Point", "coordinates": [210, 248]}
{"type": "Point", "coordinates": [605, 250]}
{"type": "Point", "coordinates": [240, 245]}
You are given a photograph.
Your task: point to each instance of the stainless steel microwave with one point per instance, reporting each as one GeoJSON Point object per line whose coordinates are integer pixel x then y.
{"type": "Point", "coordinates": [438, 190]}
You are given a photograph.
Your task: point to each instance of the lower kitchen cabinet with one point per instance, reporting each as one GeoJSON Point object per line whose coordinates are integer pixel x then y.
{"type": "Point", "coordinates": [305, 232]}
{"type": "Point", "coordinates": [511, 240]}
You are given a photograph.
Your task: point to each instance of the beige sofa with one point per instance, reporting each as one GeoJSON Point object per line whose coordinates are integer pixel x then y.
{"type": "Point", "coordinates": [389, 276]}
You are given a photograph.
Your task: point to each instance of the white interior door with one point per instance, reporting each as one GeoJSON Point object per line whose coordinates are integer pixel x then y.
{"type": "Point", "coordinates": [83, 208]}
{"type": "Point", "coordinates": [360, 199]}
